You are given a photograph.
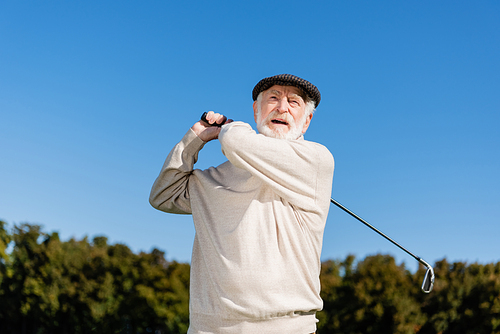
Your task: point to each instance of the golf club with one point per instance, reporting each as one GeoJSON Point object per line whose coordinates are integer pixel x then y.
{"type": "Point", "coordinates": [428, 282]}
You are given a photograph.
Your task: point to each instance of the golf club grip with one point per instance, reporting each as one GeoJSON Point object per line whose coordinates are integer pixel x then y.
{"type": "Point", "coordinates": [204, 119]}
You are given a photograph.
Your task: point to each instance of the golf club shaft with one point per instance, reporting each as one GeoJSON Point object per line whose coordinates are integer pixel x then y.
{"type": "Point", "coordinates": [379, 232]}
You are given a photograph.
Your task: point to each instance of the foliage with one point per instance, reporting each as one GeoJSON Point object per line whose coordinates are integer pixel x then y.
{"type": "Point", "coordinates": [81, 286]}
{"type": "Point", "coordinates": [50, 286]}
{"type": "Point", "coordinates": [466, 299]}
{"type": "Point", "coordinates": [377, 296]}
{"type": "Point", "coordinates": [372, 298]}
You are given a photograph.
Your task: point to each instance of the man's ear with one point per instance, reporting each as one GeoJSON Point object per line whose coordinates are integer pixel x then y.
{"type": "Point", "coordinates": [255, 111]}
{"type": "Point", "coordinates": [306, 124]}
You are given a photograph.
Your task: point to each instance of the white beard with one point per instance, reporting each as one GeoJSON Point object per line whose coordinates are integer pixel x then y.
{"type": "Point", "coordinates": [295, 129]}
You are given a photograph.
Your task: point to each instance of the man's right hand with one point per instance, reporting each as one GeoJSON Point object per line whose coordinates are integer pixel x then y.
{"type": "Point", "coordinates": [207, 131]}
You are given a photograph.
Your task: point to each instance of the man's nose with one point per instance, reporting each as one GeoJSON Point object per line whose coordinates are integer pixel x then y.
{"type": "Point", "coordinates": [283, 105]}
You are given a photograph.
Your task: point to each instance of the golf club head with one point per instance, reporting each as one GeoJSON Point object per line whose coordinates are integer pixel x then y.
{"type": "Point", "coordinates": [428, 283]}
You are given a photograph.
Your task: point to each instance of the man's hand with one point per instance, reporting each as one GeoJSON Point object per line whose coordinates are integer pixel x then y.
{"type": "Point", "coordinates": [207, 131]}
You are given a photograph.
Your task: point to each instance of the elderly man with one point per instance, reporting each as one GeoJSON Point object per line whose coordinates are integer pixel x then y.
{"type": "Point", "coordinates": [259, 217]}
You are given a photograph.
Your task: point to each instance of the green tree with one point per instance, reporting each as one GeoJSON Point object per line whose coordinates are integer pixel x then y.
{"type": "Point", "coordinates": [5, 240]}
{"type": "Point", "coordinates": [333, 293]}
{"type": "Point", "coordinates": [466, 299]}
{"type": "Point", "coordinates": [82, 287]}
{"type": "Point", "coordinates": [373, 298]}
{"type": "Point", "coordinates": [77, 286]}
{"type": "Point", "coordinates": [5, 271]}
{"type": "Point", "coordinates": [159, 300]}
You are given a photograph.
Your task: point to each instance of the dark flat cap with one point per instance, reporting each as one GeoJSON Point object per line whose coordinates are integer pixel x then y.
{"type": "Point", "coordinates": [287, 80]}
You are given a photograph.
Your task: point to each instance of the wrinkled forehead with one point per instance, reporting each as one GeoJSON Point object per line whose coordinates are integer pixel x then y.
{"type": "Point", "coordinates": [285, 91]}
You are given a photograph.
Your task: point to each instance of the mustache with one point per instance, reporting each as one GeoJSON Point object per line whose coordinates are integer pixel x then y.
{"type": "Point", "coordinates": [284, 116]}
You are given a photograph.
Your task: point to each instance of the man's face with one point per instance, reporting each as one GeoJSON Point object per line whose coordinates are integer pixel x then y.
{"type": "Point", "coordinates": [281, 113]}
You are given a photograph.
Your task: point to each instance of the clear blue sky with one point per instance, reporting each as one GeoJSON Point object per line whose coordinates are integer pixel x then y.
{"type": "Point", "coordinates": [94, 94]}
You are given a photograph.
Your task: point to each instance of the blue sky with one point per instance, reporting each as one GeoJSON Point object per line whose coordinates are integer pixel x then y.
{"type": "Point", "coordinates": [94, 94]}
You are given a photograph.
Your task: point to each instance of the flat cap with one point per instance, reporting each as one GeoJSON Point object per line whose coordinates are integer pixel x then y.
{"type": "Point", "coordinates": [287, 80]}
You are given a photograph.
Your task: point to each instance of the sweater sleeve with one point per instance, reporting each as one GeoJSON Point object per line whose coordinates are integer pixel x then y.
{"type": "Point", "coordinates": [299, 171]}
{"type": "Point", "coordinates": [170, 190]}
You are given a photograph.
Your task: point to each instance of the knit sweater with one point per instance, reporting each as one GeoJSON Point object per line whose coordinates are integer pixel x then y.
{"type": "Point", "coordinates": [259, 220]}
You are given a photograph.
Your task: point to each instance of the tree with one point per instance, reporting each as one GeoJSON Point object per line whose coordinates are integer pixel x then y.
{"type": "Point", "coordinates": [5, 240]}
{"type": "Point", "coordinates": [82, 287]}
{"type": "Point", "coordinates": [333, 293]}
{"type": "Point", "coordinates": [372, 298]}
{"type": "Point", "coordinates": [5, 271]}
{"type": "Point", "coordinates": [77, 286]}
{"type": "Point", "coordinates": [466, 299]}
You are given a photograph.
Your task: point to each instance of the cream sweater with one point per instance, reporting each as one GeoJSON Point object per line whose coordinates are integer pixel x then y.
{"type": "Point", "coordinates": [259, 220]}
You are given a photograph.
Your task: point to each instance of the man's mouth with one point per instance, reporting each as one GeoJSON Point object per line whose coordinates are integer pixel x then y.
{"type": "Point", "coordinates": [279, 121]}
